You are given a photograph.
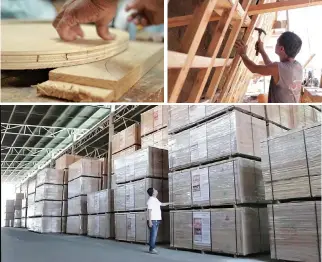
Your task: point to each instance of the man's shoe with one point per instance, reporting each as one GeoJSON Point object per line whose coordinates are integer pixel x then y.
{"type": "Point", "coordinates": [153, 251]}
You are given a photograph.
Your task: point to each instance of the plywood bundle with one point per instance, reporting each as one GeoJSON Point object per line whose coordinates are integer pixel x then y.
{"type": "Point", "coordinates": [49, 192]}
{"type": "Point", "coordinates": [230, 134]}
{"type": "Point", "coordinates": [77, 225]}
{"type": "Point", "coordinates": [126, 138]}
{"type": "Point", "coordinates": [100, 202]}
{"type": "Point", "coordinates": [149, 162]}
{"type": "Point", "coordinates": [234, 181]}
{"type": "Point", "coordinates": [77, 206]}
{"type": "Point", "coordinates": [101, 225]}
{"type": "Point", "coordinates": [17, 222]}
{"type": "Point", "coordinates": [291, 164]}
{"type": "Point", "coordinates": [85, 167]}
{"type": "Point", "coordinates": [31, 199]}
{"type": "Point", "coordinates": [18, 214]}
{"type": "Point", "coordinates": [133, 195]}
{"type": "Point", "coordinates": [50, 176]}
{"type": "Point", "coordinates": [178, 117]}
{"type": "Point", "coordinates": [154, 119]}
{"type": "Point", "coordinates": [240, 230]}
{"type": "Point", "coordinates": [123, 153]}
{"type": "Point", "coordinates": [65, 161]}
{"type": "Point", "coordinates": [295, 231]}
{"type": "Point", "coordinates": [133, 227]}
{"type": "Point", "coordinates": [45, 224]}
{"type": "Point", "coordinates": [32, 186]}
{"type": "Point", "coordinates": [48, 208]}
{"type": "Point", "coordinates": [157, 139]}
{"type": "Point", "coordinates": [10, 206]}
{"type": "Point", "coordinates": [83, 186]}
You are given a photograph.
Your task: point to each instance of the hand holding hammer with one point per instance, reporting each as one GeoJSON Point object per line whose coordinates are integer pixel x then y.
{"type": "Point", "coordinates": [260, 31]}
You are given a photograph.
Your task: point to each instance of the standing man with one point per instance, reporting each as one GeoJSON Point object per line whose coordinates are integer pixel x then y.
{"type": "Point", "coordinates": [154, 217]}
{"type": "Point", "coordinates": [287, 75]}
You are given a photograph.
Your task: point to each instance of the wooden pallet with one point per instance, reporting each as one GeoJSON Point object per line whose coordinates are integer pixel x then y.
{"type": "Point", "coordinates": [230, 79]}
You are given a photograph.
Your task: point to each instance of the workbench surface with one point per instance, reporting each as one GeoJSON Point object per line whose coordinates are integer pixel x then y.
{"type": "Point", "coordinates": [16, 86]}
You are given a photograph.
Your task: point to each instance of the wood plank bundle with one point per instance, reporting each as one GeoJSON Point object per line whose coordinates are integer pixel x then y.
{"type": "Point", "coordinates": [239, 231]}
{"type": "Point", "coordinates": [100, 202]}
{"type": "Point", "coordinates": [77, 225]}
{"type": "Point", "coordinates": [235, 181]}
{"type": "Point", "coordinates": [66, 160]}
{"type": "Point", "coordinates": [126, 138]}
{"type": "Point", "coordinates": [295, 231]}
{"type": "Point", "coordinates": [101, 226]}
{"type": "Point", "coordinates": [45, 224]}
{"type": "Point", "coordinates": [123, 153]}
{"type": "Point", "coordinates": [154, 119]}
{"type": "Point", "coordinates": [291, 164]}
{"type": "Point", "coordinates": [158, 139]}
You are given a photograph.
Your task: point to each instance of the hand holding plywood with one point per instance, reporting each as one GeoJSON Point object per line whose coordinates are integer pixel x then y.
{"type": "Point", "coordinates": [34, 45]}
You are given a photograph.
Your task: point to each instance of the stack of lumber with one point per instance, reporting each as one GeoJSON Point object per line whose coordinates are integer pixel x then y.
{"type": "Point", "coordinates": [291, 164]}
{"type": "Point", "coordinates": [154, 130]}
{"type": "Point", "coordinates": [24, 213]}
{"type": "Point", "coordinates": [48, 203]}
{"type": "Point", "coordinates": [18, 209]}
{"type": "Point", "coordinates": [9, 212]}
{"type": "Point", "coordinates": [238, 230]}
{"type": "Point", "coordinates": [31, 202]}
{"type": "Point", "coordinates": [84, 177]}
{"type": "Point", "coordinates": [136, 173]}
{"type": "Point", "coordinates": [100, 216]}
{"type": "Point", "coordinates": [132, 227]}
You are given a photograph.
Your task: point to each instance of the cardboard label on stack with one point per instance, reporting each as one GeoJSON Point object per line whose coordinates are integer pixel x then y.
{"type": "Point", "coordinates": [201, 228]}
{"type": "Point", "coordinates": [130, 226]}
{"type": "Point", "coordinates": [129, 197]}
{"type": "Point", "coordinates": [200, 185]}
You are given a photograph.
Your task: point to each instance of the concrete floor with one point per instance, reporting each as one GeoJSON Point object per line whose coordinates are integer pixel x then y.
{"type": "Point", "coordinates": [21, 245]}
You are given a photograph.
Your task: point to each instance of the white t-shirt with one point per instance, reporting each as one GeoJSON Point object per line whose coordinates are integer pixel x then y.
{"type": "Point", "coordinates": [155, 205]}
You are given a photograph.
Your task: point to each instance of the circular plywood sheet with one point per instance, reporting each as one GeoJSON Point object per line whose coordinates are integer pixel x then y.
{"type": "Point", "coordinates": [34, 45]}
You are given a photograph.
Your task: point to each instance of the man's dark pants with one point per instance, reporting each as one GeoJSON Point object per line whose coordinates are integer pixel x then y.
{"type": "Point", "coordinates": [153, 233]}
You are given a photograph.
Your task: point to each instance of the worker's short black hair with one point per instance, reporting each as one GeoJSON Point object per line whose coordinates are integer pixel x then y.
{"type": "Point", "coordinates": [150, 191]}
{"type": "Point", "coordinates": [291, 42]}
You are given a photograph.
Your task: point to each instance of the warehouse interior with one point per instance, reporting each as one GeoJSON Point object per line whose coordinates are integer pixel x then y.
{"type": "Point", "coordinates": [74, 182]}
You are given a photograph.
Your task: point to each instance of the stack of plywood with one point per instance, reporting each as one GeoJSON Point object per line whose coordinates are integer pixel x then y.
{"type": "Point", "coordinates": [132, 227]}
{"type": "Point", "coordinates": [18, 209]}
{"type": "Point", "coordinates": [291, 164]}
{"type": "Point", "coordinates": [100, 216]}
{"type": "Point", "coordinates": [84, 177]}
{"type": "Point", "coordinates": [239, 230]}
{"type": "Point", "coordinates": [48, 201]}
{"type": "Point", "coordinates": [24, 213]}
{"type": "Point", "coordinates": [10, 213]}
{"type": "Point", "coordinates": [230, 134]}
{"type": "Point", "coordinates": [154, 131]}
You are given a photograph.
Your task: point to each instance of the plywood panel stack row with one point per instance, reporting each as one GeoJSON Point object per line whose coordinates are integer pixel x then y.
{"type": "Point", "coordinates": [47, 203]}
{"type": "Point", "coordinates": [136, 173]}
{"type": "Point", "coordinates": [84, 177]}
{"type": "Point", "coordinates": [214, 157]}
{"type": "Point", "coordinates": [132, 227]}
{"type": "Point", "coordinates": [291, 165]}
{"type": "Point", "coordinates": [154, 131]}
{"type": "Point", "coordinates": [18, 209]}
{"type": "Point", "coordinates": [9, 212]}
{"type": "Point", "coordinates": [100, 214]}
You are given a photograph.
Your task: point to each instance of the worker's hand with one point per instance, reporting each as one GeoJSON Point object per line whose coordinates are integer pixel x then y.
{"type": "Point", "coordinates": [241, 48]}
{"type": "Point", "coordinates": [259, 46]}
{"type": "Point", "coordinates": [150, 224]}
{"type": "Point", "coordinates": [146, 12]}
{"type": "Point", "coordinates": [77, 12]}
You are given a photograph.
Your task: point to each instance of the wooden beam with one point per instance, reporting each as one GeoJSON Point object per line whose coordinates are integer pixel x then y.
{"type": "Point", "coordinates": [213, 49]}
{"type": "Point", "coordinates": [176, 60]}
{"type": "Point", "coordinates": [281, 6]}
{"type": "Point", "coordinates": [191, 41]}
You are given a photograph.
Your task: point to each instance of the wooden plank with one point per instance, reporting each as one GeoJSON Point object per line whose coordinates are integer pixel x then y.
{"type": "Point", "coordinates": [41, 47]}
{"type": "Point", "coordinates": [118, 73]}
{"type": "Point", "coordinates": [213, 49]}
{"type": "Point", "coordinates": [176, 60]}
{"type": "Point", "coordinates": [281, 6]}
{"type": "Point", "coordinates": [190, 43]}
{"type": "Point", "coordinates": [74, 92]}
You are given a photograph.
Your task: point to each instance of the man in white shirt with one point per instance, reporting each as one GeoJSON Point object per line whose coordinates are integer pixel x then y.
{"type": "Point", "coordinates": [154, 217]}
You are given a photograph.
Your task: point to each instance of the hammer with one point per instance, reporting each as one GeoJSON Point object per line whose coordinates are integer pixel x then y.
{"type": "Point", "coordinates": [260, 31]}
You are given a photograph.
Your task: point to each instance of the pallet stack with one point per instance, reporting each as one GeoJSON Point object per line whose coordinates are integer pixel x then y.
{"type": "Point", "coordinates": [136, 173]}
{"type": "Point", "coordinates": [124, 143]}
{"type": "Point", "coordinates": [31, 202]}
{"type": "Point", "coordinates": [18, 209]}
{"type": "Point", "coordinates": [291, 164]}
{"type": "Point", "coordinates": [100, 214]}
{"type": "Point", "coordinates": [84, 177]}
{"type": "Point", "coordinates": [215, 181]}
{"type": "Point", "coordinates": [48, 202]}
{"type": "Point", "coordinates": [10, 212]}
{"type": "Point", "coordinates": [24, 190]}
{"type": "Point", "coordinates": [154, 131]}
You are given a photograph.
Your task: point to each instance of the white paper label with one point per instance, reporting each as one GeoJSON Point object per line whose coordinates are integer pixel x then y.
{"type": "Point", "coordinates": [130, 225]}
{"type": "Point", "coordinates": [201, 228]}
{"type": "Point", "coordinates": [200, 185]}
{"type": "Point", "coordinates": [129, 196]}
